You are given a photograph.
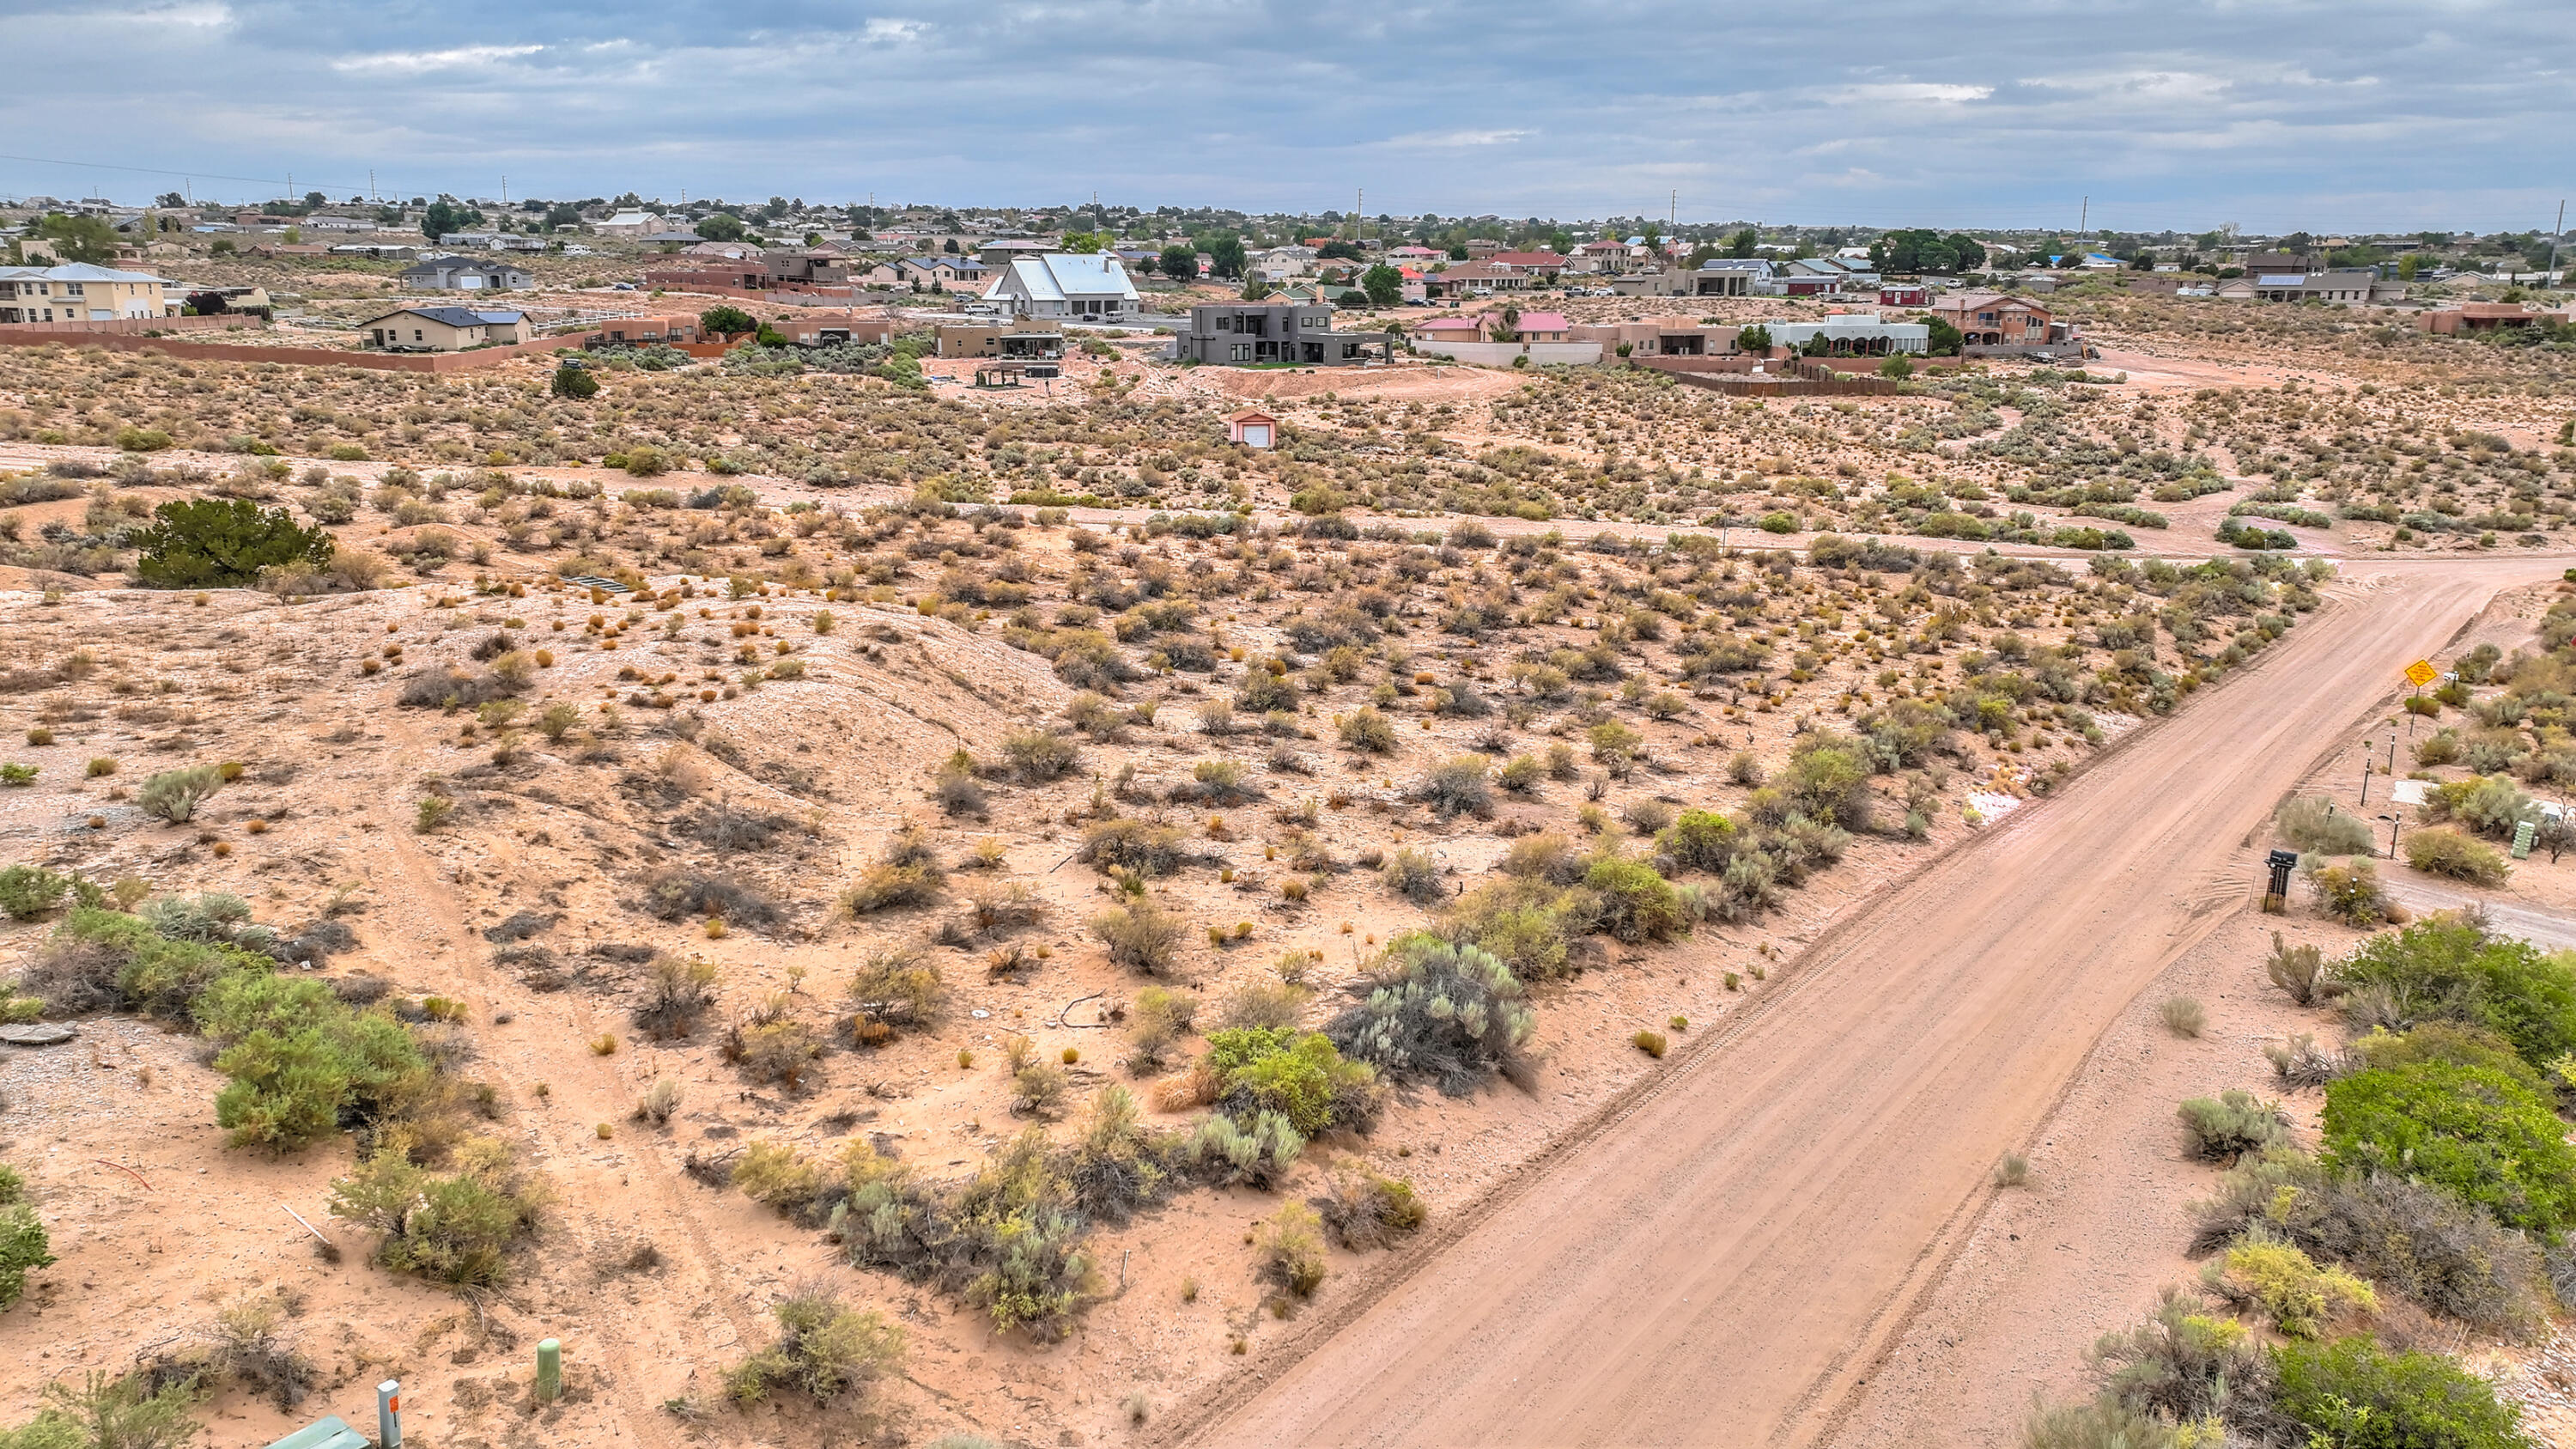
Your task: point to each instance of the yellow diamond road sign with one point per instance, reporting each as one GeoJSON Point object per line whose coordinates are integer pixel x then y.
{"type": "Point", "coordinates": [2420, 673]}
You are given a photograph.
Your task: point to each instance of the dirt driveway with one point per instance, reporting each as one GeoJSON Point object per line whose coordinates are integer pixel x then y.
{"type": "Point", "coordinates": [1723, 1257]}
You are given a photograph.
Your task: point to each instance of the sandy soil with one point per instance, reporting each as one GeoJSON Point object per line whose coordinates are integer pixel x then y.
{"type": "Point", "coordinates": [1740, 1242]}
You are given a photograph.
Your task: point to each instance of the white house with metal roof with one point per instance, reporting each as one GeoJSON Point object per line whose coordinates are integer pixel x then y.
{"type": "Point", "coordinates": [1071, 285]}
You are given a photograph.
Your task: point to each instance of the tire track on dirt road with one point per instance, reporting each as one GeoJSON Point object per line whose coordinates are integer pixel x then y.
{"type": "Point", "coordinates": [676, 1306]}
{"type": "Point", "coordinates": [1724, 1256]}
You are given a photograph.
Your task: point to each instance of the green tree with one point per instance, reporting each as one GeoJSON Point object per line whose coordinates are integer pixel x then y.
{"type": "Point", "coordinates": [1743, 242]}
{"type": "Point", "coordinates": [1898, 367]}
{"type": "Point", "coordinates": [1384, 285]}
{"type": "Point", "coordinates": [1084, 243]}
{"type": "Point", "coordinates": [727, 320]}
{"type": "Point", "coordinates": [1180, 262]}
{"type": "Point", "coordinates": [79, 238]}
{"type": "Point", "coordinates": [574, 381]}
{"type": "Point", "coordinates": [1945, 340]}
{"type": "Point", "coordinates": [447, 215]}
{"type": "Point", "coordinates": [1507, 328]}
{"type": "Point", "coordinates": [1338, 251]}
{"type": "Point", "coordinates": [1756, 338]}
{"type": "Point", "coordinates": [1225, 253]}
{"type": "Point", "coordinates": [723, 226]}
{"type": "Point", "coordinates": [213, 543]}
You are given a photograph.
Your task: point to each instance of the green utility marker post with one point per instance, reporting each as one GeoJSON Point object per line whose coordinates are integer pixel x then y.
{"type": "Point", "coordinates": [549, 1370]}
{"type": "Point", "coordinates": [2524, 833]}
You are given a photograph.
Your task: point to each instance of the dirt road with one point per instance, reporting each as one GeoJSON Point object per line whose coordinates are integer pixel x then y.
{"type": "Point", "coordinates": [1722, 1259]}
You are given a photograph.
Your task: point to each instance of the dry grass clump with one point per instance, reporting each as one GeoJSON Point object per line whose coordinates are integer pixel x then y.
{"type": "Point", "coordinates": [2226, 1127]}
{"type": "Point", "coordinates": [909, 874]}
{"type": "Point", "coordinates": [676, 993]}
{"type": "Point", "coordinates": [1372, 1211]}
{"type": "Point", "coordinates": [1291, 1249]}
{"type": "Point", "coordinates": [1141, 936]}
{"type": "Point", "coordinates": [680, 895]}
{"type": "Point", "coordinates": [896, 988]}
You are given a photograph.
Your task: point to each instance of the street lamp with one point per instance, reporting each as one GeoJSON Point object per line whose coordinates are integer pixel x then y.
{"type": "Point", "coordinates": [2392, 835]}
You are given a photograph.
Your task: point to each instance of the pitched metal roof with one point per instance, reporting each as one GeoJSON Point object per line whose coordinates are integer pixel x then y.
{"type": "Point", "coordinates": [1058, 276]}
{"type": "Point", "coordinates": [454, 316]}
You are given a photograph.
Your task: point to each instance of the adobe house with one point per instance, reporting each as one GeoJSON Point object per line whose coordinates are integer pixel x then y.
{"type": "Point", "coordinates": [642, 331]}
{"type": "Point", "coordinates": [1021, 341]}
{"type": "Point", "coordinates": [1253, 428]}
{"type": "Point", "coordinates": [817, 329]}
{"type": "Point", "coordinates": [2477, 317]}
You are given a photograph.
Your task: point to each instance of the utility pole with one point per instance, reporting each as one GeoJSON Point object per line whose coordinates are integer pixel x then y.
{"type": "Point", "coordinates": [2084, 221]}
{"type": "Point", "coordinates": [371, 185]}
{"type": "Point", "coordinates": [2561, 230]}
{"type": "Point", "coordinates": [505, 191]}
{"type": "Point", "coordinates": [1672, 210]}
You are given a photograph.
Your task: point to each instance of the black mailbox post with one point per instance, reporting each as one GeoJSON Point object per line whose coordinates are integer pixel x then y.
{"type": "Point", "coordinates": [2277, 897]}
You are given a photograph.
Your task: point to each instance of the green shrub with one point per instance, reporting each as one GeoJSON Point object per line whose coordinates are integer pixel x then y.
{"type": "Point", "coordinates": [1700, 840]}
{"type": "Point", "coordinates": [2446, 970]}
{"type": "Point", "coordinates": [1157, 1020]}
{"type": "Point", "coordinates": [1037, 756]}
{"type": "Point", "coordinates": [1457, 786]}
{"type": "Point", "coordinates": [2351, 893]}
{"type": "Point", "coordinates": [1141, 937]}
{"type": "Point", "coordinates": [2093, 1424]}
{"type": "Point", "coordinates": [574, 382]}
{"type": "Point", "coordinates": [1413, 875]}
{"type": "Point", "coordinates": [1524, 922]}
{"type": "Point", "coordinates": [1367, 730]}
{"type": "Point", "coordinates": [456, 1227]}
{"type": "Point", "coordinates": [24, 1245]}
{"type": "Point", "coordinates": [2447, 852]}
{"type": "Point", "coordinates": [2229, 1125]}
{"type": "Point", "coordinates": [1440, 1011]}
{"type": "Point", "coordinates": [1636, 903]}
{"type": "Point", "coordinates": [826, 1350]}
{"type": "Point", "coordinates": [2473, 1130]}
{"type": "Point", "coordinates": [1300, 1076]}
{"type": "Point", "coordinates": [29, 891]}
{"type": "Point", "coordinates": [1292, 1249]}
{"type": "Point", "coordinates": [2410, 1238]}
{"type": "Point", "coordinates": [2287, 1287]}
{"type": "Point", "coordinates": [2354, 1393]}
{"type": "Point", "coordinates": [2490, 805]}
{"type": "Point", "coordinates": [2314, 827]}
{"type": "Point", "coordinates": [899, 988]}
{"type": "Point", "coordinates": [2180, 1363]}
{"type": "Point", "coordinates": [174, 795]}
{"type": "Point", "coordinates": [211, 543]}
{"type": "Point", "coordinates": [298, 1058]}
{"type": "Point", "coordinates": [106, 1411]}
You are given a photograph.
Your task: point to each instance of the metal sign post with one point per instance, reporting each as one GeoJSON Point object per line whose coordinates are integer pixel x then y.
{"type": "Point", "coordinates": [389, 1414]}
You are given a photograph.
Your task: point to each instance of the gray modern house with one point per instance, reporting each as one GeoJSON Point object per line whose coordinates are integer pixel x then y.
{"type": "Point", "coordinates": [1250, 334]}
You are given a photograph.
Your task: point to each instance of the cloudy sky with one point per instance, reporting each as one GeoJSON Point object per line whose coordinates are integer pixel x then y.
{"type": "Point", "coordinates": [2176, 114]}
